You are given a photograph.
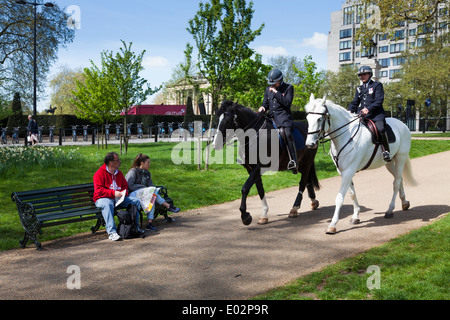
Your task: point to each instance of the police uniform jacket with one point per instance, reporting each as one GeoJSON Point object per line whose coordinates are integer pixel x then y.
{"type": "Point", "coordinates": [370, 97]}
{"type": "Point", "coordinates": [279, 104]}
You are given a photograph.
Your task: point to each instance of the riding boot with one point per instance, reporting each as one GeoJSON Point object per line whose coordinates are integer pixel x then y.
{"type": "Point", "coordinates": [386, 150]}
{"type": "Point", "coordinates": [292, 165]}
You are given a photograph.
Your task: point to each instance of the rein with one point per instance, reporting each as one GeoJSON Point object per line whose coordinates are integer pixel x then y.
{"type": "Point", "coordinates": [326, 114]}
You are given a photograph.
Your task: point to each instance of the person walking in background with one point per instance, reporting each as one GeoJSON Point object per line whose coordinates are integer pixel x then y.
{"type": "Point", "coordinates": [32, 130]}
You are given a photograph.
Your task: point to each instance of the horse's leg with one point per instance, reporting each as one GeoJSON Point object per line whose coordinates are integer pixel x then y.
{"type": "Point", "coordinates": [345, 183]}
{"type": "Point", "coordinates": [254, 173]}
{"type": "Point", "coordinates": [263, 219]}
{"type": "Point", "coordinates": [312, 196]}
{"type": "Point", "coordinates": [396, 167]}
{"type": "Point", "coordinates": [298, 201]}
{"type": "Point", "coordinates": [356, 207]}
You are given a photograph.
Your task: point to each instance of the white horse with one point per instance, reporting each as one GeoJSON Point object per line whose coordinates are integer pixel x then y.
{"type": "Point", "coordinates": [352, 150]}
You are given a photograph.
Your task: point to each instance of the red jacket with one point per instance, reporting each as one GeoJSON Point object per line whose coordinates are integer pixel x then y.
{"type": "Point", "coordinates": [105, 183]}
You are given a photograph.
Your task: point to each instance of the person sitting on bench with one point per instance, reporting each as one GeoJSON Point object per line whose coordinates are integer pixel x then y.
{"type": "Point", "coordinates": [138, 178]}
{"type": "Point", "coordinates": [109, 185]}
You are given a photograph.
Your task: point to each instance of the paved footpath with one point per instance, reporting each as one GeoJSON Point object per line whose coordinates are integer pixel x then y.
{"type": "Point", "coordinates": [208, 254]}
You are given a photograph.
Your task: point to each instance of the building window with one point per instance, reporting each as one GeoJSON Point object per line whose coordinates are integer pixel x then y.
{"type": "Point", "coordinates": [345, 45]}
{"type": "Point", "coordinates": [393, 73]}
{"type": "Point", "coordinates": [383, 74]}
{"type": "Point", "coordinates": [348, 16]}
{"type": "Point", "coordinates": [412, 32]}
{"type": "Point", "coordinates": [412, 45]}
{"type": "Point", "coordinates": [399, 35]}
{"type": "Point", "coordinates": [421, 42]}
{"type": "Point", "coordinates": [384, 49]}
{"type": "Point", "coordinates": [398, 61]}
{"type": "Point", "coordinates": [425, 28]}
{"type": "Point", "coordinates": [397, 47]}
{"type": "Point", "coordinates": [345, 56]}
{"type": "Point", "coordinates": [347, 33]}
{"type": "Point", "coordinates": [382, 37]}
{"type": "Point", "coordinates": [384, 63]}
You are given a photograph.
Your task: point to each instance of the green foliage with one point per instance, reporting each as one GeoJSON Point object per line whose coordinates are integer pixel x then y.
{"type": "Point", "coordinates": [12, 159]}
{"type": "Point", "coordinates": [310, 83]}
{"type": "Point", "coordinates": [248, 82]}
{"type": "Point", "coordinates": [222, 32]}
{"type": "Point", "coordinates": [340, 86]}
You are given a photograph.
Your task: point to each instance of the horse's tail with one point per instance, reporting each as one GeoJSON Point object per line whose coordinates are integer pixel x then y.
{"type": "Point", "coordinates": [407, 174]}
{"type": "Point", "coordinates": [313, 177]}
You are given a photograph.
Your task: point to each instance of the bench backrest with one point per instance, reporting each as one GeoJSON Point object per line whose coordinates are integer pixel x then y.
{"type": "Point", "coordinates": [58, 199]}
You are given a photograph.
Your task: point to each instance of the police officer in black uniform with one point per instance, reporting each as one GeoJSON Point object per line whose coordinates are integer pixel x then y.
{"type": "Point", "coordinates": [277, 100]}
{"type": "Point", "coordinates": [368, 101]}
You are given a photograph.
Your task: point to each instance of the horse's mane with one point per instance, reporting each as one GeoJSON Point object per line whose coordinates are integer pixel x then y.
{"type": "Point", "coordinates": [312, 105]}
{"type": "Point", "coordinates": [232, 107]}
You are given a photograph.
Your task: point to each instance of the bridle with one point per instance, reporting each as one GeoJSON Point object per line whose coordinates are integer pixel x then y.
{"type": "Point", "coordinates": [327, 116]}
{"type": "Point", "coordinates": [322, 130]}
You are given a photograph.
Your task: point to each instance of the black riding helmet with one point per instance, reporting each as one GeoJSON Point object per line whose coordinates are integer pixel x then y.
{"type": "Point", "coordinates": [365, 69]}
{"type": "Point", "coordinates": [274, 76]}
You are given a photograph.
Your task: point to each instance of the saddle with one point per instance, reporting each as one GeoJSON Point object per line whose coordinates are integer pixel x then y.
{"type": "Point", "coordinates": [376, 139]}
{"type": "Point", "coordinates": [298, 138]}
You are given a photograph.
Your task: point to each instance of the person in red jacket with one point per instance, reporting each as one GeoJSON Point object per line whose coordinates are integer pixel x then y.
{"type": "Point", "coordinates": [109, 186]}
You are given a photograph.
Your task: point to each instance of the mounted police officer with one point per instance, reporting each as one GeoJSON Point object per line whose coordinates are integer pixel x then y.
{"type": "Point", "coordinates": [277, 100]}
{"type": "Point", "coordinates": [368, 101]}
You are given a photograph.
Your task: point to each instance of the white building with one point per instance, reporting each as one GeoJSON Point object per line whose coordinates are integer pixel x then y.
{"type": "Point", "coordinates": [385, 55]}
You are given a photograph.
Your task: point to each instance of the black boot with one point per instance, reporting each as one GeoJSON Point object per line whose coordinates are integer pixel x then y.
{"type": "Point", "coordinates": [292, 165]}
{"type": "Point", "coordinates": [386, 150]}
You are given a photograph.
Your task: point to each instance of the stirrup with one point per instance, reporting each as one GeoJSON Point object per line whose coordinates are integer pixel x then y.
{"type": "Point", "coordinates": [292, 165]}
{"type": "Point", "coordinates": [386, 156]}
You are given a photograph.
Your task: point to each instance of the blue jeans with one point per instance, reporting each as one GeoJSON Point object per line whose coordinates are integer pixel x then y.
{"type": "Point", "coordinates": [151, 213]}
{"type": "Point", "coordinates": [107, 206]}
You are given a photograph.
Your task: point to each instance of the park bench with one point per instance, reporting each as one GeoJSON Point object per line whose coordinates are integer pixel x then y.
{"type": "Point", "coordinates": [55, 206]}
{"type": "Point", "coordinates": [61, 205]}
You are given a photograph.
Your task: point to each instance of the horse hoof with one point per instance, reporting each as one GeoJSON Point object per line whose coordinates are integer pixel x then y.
{"type": "Point", "coordinates": [389, 215]}
{"type": "Point", "coordinates": [355, 221]}
{"type": "Point", "coordinates": [247, 221]}
{"type": "Point", "coordinates": [314, 204]}
{"type": "Point", "coordinates": [294, 213]}
{"type": "Point", "coordinates": [405, 206]}
{"type": "Point", "coordinates": [263, 221]}
{"type": "Point", "coordinates": [331, 230]}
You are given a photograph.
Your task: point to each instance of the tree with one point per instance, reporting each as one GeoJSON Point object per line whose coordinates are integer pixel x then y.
{"type": "Point", "coordinates": [248, 82]}
{"type": "Point", "coordinates": [310, 83]}
{"type": "Point", "coordinates": [127, 88]}
{"type": "Point", "coordinates": [425, 76]}
{"type": "Point", "coordinates": [62, 85]}
{"type": "Point", "coordinates": [16, 119]}
{"type": "Point", "coordinates": [286, 64]}
{"type": "Point", "coordinates": [385, 16]}
{"type": "Point", "coordinates": [340, 86]}
{"type": "Point", "coordinates": [222, 32]}
{"type": "Point", "coordinates": [17, 42]}
{"type": "Point", "coordinates": [110, 91]}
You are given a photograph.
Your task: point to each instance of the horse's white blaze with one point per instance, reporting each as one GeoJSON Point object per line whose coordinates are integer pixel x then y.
{"type": "Point", "coordinates": [354, 149]}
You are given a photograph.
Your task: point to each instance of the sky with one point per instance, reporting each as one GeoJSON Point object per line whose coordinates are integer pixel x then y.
{"type": "Point", "coordinates": [292, 27]}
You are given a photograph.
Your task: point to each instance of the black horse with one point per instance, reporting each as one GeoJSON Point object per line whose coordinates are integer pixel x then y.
{"type": "Point", "coordinates": [262, 150]}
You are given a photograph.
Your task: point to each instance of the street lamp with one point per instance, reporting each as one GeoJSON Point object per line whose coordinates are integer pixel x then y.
{"type": "Point", "coordinates": [35, 4]}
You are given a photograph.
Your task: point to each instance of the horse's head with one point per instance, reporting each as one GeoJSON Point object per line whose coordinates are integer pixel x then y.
{"type": "Point", "coordinates": [226, 120]}
{"type": "Point", "coordinates": [318, 120]}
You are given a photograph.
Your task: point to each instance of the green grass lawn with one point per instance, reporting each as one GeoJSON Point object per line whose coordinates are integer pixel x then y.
{"type": "Point", "coordinates": [189, 187]}
{"type": "Point", "coordinates": [415, 266]}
